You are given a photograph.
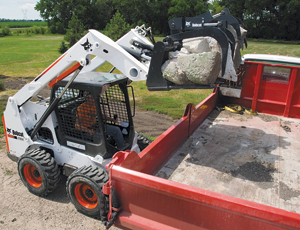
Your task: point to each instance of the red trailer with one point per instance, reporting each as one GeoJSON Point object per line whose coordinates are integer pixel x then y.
{"type": "Point", "coordinates": [170, 186]}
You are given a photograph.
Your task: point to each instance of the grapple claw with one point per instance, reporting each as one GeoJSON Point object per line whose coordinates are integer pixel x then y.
{"type": "Point", "coordinates": [204, 25]}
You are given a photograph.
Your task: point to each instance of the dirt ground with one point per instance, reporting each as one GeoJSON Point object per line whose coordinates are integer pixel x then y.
{"type": "Point", "coordinates": [19, 209]}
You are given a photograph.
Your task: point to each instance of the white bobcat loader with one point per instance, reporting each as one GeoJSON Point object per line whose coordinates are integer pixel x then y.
{"type": "Point", "coordinates": [55, 136]}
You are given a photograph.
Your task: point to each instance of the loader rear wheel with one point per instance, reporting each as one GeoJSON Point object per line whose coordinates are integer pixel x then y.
{"type": "Point", "coordinates": [38, 172]}
{"type": "Point", "coordinates": [84, 187]}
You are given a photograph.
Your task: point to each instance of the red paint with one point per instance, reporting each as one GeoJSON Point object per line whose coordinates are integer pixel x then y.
{"type": "Point", "coordinates": [149, 202]}
{"type": "Point", "coordinates": [277, 98]}
{"type": "Point", "coordinates": [152, 157]}
{"type": "Point", "coordinates": [50, 67]}
{"type": "Point", "coordinates": [5, 132]}
{"type": "Point", "coordinates": [64, 74]}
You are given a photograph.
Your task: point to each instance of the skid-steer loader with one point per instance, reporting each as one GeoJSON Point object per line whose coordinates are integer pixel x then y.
{"type": "Point", "coordinates": [88, 117]}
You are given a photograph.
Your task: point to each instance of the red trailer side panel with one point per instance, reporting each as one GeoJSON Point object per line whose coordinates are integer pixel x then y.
{"type": "Point", "coordinates": [149, 202]}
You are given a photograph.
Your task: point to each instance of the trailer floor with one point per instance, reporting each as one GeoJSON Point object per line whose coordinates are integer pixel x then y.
{"type": "Point", "coordinates": [256, 158]}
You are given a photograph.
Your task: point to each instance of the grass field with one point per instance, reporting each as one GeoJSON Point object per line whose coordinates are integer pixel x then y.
{"type": "Point", "coordinates": [28, 56]}
{"type": "Point", "coordinates": [22, 24]}
{"type": "Point", "coordinates": [272, 48]}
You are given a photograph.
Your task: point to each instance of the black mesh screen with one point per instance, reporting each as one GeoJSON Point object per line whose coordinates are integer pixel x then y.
{"type": "Point", "coordinates": [113, 104]}
{"type": "Point", "coordinates": [87, 120]}
{"type": "Point", "coordinates": [45, 134]}
{"type": "Point", "coordinates": [77, 113]}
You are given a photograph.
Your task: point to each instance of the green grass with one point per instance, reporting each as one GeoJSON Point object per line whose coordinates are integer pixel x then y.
{"type": "Point", "coordinates": [172, 103]}
{"type": "Point", "coordinates": [8, 172]}
{"type": "Point", "coordinates": [22, 24]}
{"type": "Point", "coordinates": [2, 108]}
{"type": "Point", "coordinates": [272, 48]}
{"type": "Point", "coordinates": [28, 56]}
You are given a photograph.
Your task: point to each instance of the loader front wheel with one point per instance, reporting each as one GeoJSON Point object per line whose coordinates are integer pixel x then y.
{"type": "Point", "coordinates": [84, 187]}
{"type": "Point", "coordinates": [38, 172]}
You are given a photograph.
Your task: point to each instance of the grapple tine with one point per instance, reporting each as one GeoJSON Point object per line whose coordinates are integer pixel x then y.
{"type": "Point", "coordinates": [155, 80]}
{"type": "Point", "coordinates": [246, 43]}
{"type": "Point", "coordinates": [213, 32]}
{"type": "Point", "coordinates": [240, 22]}
{"type": "Point", "coordinates": [242, 25]}
{"type": "Point", "coordinates": [235, 24]}
{"type": "Point", "coordinates": [231, 40]}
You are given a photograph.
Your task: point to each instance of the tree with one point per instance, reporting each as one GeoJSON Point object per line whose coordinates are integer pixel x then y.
{"type": "Point", "coordinates": [117, 27]}
{"type": "Point", "coordinates": [75, 31]}
{"type": "Point", "coordinates": [187, 8]}
{"type": "Point", "coordinates": [159, 23]}
{"type": "Point", "coordinates": [215, 7]}
{"type": "Point", "coordinates": [94, 14]}
{"type": "Point", "coordinates": [267, 18]}
{"type": "Point", "coordinates": [288, 19]}
{"type": "Point", "coordinates": [236, 8]}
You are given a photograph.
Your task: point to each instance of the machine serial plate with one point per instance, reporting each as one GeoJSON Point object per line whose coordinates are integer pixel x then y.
{"type": "Point", "coordinates": [75, 145]}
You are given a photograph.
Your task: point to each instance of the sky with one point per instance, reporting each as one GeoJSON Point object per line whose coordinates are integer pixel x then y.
{"type": "Point", "coordinates": [19, 9]}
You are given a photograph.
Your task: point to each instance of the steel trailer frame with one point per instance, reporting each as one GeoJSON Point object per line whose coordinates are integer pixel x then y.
{"type": "Point", "coordinates": [149, 202]}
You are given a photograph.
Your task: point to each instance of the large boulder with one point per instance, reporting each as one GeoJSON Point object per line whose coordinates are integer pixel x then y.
{"type": "Point", "coordinates": [202, 68]}
{"type": "Point", "coordinates": [237, 54]}
{"type": "Point", "coordinates": [197, 68]}
{"type": "Point", "coordinates": [173, 73]}
{"type": "Point", "coordinates": [200, 62]}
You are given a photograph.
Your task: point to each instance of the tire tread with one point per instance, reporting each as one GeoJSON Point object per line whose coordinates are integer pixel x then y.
{"type": "Point", "coordinates": [49, 165]}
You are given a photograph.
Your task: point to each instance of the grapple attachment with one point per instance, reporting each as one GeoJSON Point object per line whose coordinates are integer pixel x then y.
{"type": "Point", "coordinates": [155, 80]}
{"type": "Point", "coordinates": [204, 25]}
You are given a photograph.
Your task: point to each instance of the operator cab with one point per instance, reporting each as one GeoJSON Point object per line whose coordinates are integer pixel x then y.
{"type": "Point", "coordinates": [94, 114]}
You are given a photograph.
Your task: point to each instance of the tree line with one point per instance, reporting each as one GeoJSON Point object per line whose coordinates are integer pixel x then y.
{"type": "Point", "coordinates": [270, 19]}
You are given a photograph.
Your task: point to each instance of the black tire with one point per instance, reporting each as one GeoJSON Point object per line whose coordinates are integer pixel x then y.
{"type": "Point", "coordinates": [143, 141]}
{"type": "Point", "coordinates": [84, 187]}
{"type": "Point", "coordinates": [39, 172]}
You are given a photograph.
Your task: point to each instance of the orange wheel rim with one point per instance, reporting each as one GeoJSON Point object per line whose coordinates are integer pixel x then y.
{"type": "Point", "coordinates": [32, 175]}
{"type": "Point", "coordinates": [86, 196]}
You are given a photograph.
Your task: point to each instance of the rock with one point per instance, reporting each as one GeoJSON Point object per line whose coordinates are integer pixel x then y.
{"type": "Point", "coordinates": [196, 45]}
{"type": "Point", "coordinates": [237, 53]}
{"type": "Point", "coordinates": [230, 72]}
{"type": "Point", "coordinates": [237, 56]}
{"type": "Point", "coordinates": [194, 63]}
{"type": "Point", "coordinates": [176, 54]}
{"type": "Point", "coordinates": [202, 68]}
{"type": "Point", "coordinates": [243, 33]}
{"type": "Point", "coordinates": [213, 44]}
{"type": "Point", "coordinates": [173, 73]}
{"type": "Point", "coordinates": [187, 66]}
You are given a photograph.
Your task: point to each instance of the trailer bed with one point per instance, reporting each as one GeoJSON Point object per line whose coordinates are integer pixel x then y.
{"type": "Point", "coordinates": [255, 158]}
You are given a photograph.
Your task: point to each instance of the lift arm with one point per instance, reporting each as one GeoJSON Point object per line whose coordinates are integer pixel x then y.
{"type": "Point", "coordinates": [92, 44]}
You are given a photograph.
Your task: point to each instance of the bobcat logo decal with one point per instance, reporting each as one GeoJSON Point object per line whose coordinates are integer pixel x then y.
{"type": "Point", "coordinates": [86, 45]}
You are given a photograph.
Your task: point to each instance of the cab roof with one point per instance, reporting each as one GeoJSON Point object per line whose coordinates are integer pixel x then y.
{"type": "Point", "coordinates": [96, 78]}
